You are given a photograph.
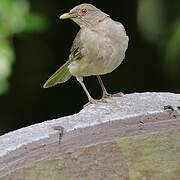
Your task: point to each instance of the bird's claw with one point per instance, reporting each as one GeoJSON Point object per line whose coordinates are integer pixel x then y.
{"type": "Point", "coordinates": [120, 94]}
{"type": "Point", "coordinates": [103, 99]}
{"type": "Point", "coordinates": [107, 95]}
{"type": "Point", "coordinates": [91, 101]}
{"type": "Point", "coordinates": [95, 101]}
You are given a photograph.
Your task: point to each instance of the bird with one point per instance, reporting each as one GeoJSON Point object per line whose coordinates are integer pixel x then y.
{"type": "Point", "coordinates": [98, 48]}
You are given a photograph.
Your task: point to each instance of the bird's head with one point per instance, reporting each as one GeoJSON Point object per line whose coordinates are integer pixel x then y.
{"type": "Point", "coordinates": [85, 15]}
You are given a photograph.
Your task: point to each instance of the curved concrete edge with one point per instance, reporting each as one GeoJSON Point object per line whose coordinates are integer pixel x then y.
{"type": "Point", "coordinates": [128, 115]}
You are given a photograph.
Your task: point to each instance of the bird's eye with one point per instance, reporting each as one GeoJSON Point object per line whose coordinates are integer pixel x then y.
{"type": "Point", "coordinates": [84, 11]}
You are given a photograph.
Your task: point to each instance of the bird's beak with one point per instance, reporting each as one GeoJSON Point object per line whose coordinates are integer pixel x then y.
{"type": "Point", "coordinates": [65, 16]}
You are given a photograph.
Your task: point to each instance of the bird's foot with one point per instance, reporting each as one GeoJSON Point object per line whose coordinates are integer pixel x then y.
{"type": "Point", "coordinates": [91, 101]}
{"type": "Point", "coordinates": [95, 101]}
{"type": "Point", "coordinates": [107, 95]}
{"type": "Point", "coordinates": [103, 99]}
{"type": "Point", "coordinates": [120, 94]}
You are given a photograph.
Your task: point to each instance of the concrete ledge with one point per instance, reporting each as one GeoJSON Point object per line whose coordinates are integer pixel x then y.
{"type": "Point", "coordinates": [98, 125]}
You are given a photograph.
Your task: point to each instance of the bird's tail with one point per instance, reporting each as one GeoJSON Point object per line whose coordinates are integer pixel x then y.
{"type": "Point", "coordinates": [60, 76]}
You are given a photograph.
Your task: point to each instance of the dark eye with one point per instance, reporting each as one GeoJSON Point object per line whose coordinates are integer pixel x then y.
{"type": "Point", "coordinates": [84, 11]}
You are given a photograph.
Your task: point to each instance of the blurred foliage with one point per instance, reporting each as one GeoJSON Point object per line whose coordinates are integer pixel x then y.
{"type": "Point", "coordinates": [159, 23]}
{"type": "Point", "coordinates": [151, 19]}
{"type": "Point", "coordinates": [15, 18]}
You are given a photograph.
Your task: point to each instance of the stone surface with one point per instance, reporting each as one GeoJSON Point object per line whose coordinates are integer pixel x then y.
{"type": "Point", "coordinates": [122, 125]}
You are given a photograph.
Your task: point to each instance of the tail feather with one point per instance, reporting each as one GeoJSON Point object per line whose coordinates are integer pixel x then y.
{"type": "Point", "coordinates": [60, 76]}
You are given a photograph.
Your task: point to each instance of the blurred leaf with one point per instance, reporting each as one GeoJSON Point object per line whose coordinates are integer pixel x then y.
{"type": "Point", "coordinates": [151, 19]}
{"type": "Point", "coordinates": [6, 50]}
{"type": "Point", "coordinates": [6, 59]}
{"type": "Point", "coordinates": [35, 23]}
{"type": "Point", "coordinates": [3, 86]}
{"type": "Point", "coordinates": [172, 53]}
{"type": "Point", "coordinates": [157, 26]}
{"type": "Point", "coordinates": [15, 18]}
{"type": "Point", "coordinates": [12, 15]}
{"type": "Point", "coordinates": [173, 45]}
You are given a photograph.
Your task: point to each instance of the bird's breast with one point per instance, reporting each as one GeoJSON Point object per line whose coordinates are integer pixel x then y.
{"type": "Point", "coordinates": [101, 53]}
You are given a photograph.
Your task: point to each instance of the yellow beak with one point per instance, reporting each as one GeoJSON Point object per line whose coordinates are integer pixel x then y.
{"type": "Point", "coordinates": [65, 16]}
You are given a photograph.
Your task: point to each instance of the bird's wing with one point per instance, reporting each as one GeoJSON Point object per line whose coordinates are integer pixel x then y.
{"type": "Point", "coordinates": [63, 74]}
{"type": "Point", "coordinates": [76, 49]}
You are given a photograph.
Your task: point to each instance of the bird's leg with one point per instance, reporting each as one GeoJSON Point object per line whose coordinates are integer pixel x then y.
{"type": "Point", "coordinates": [80, 79]}
{"type": "Point", "coordinates": [105, 93]}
